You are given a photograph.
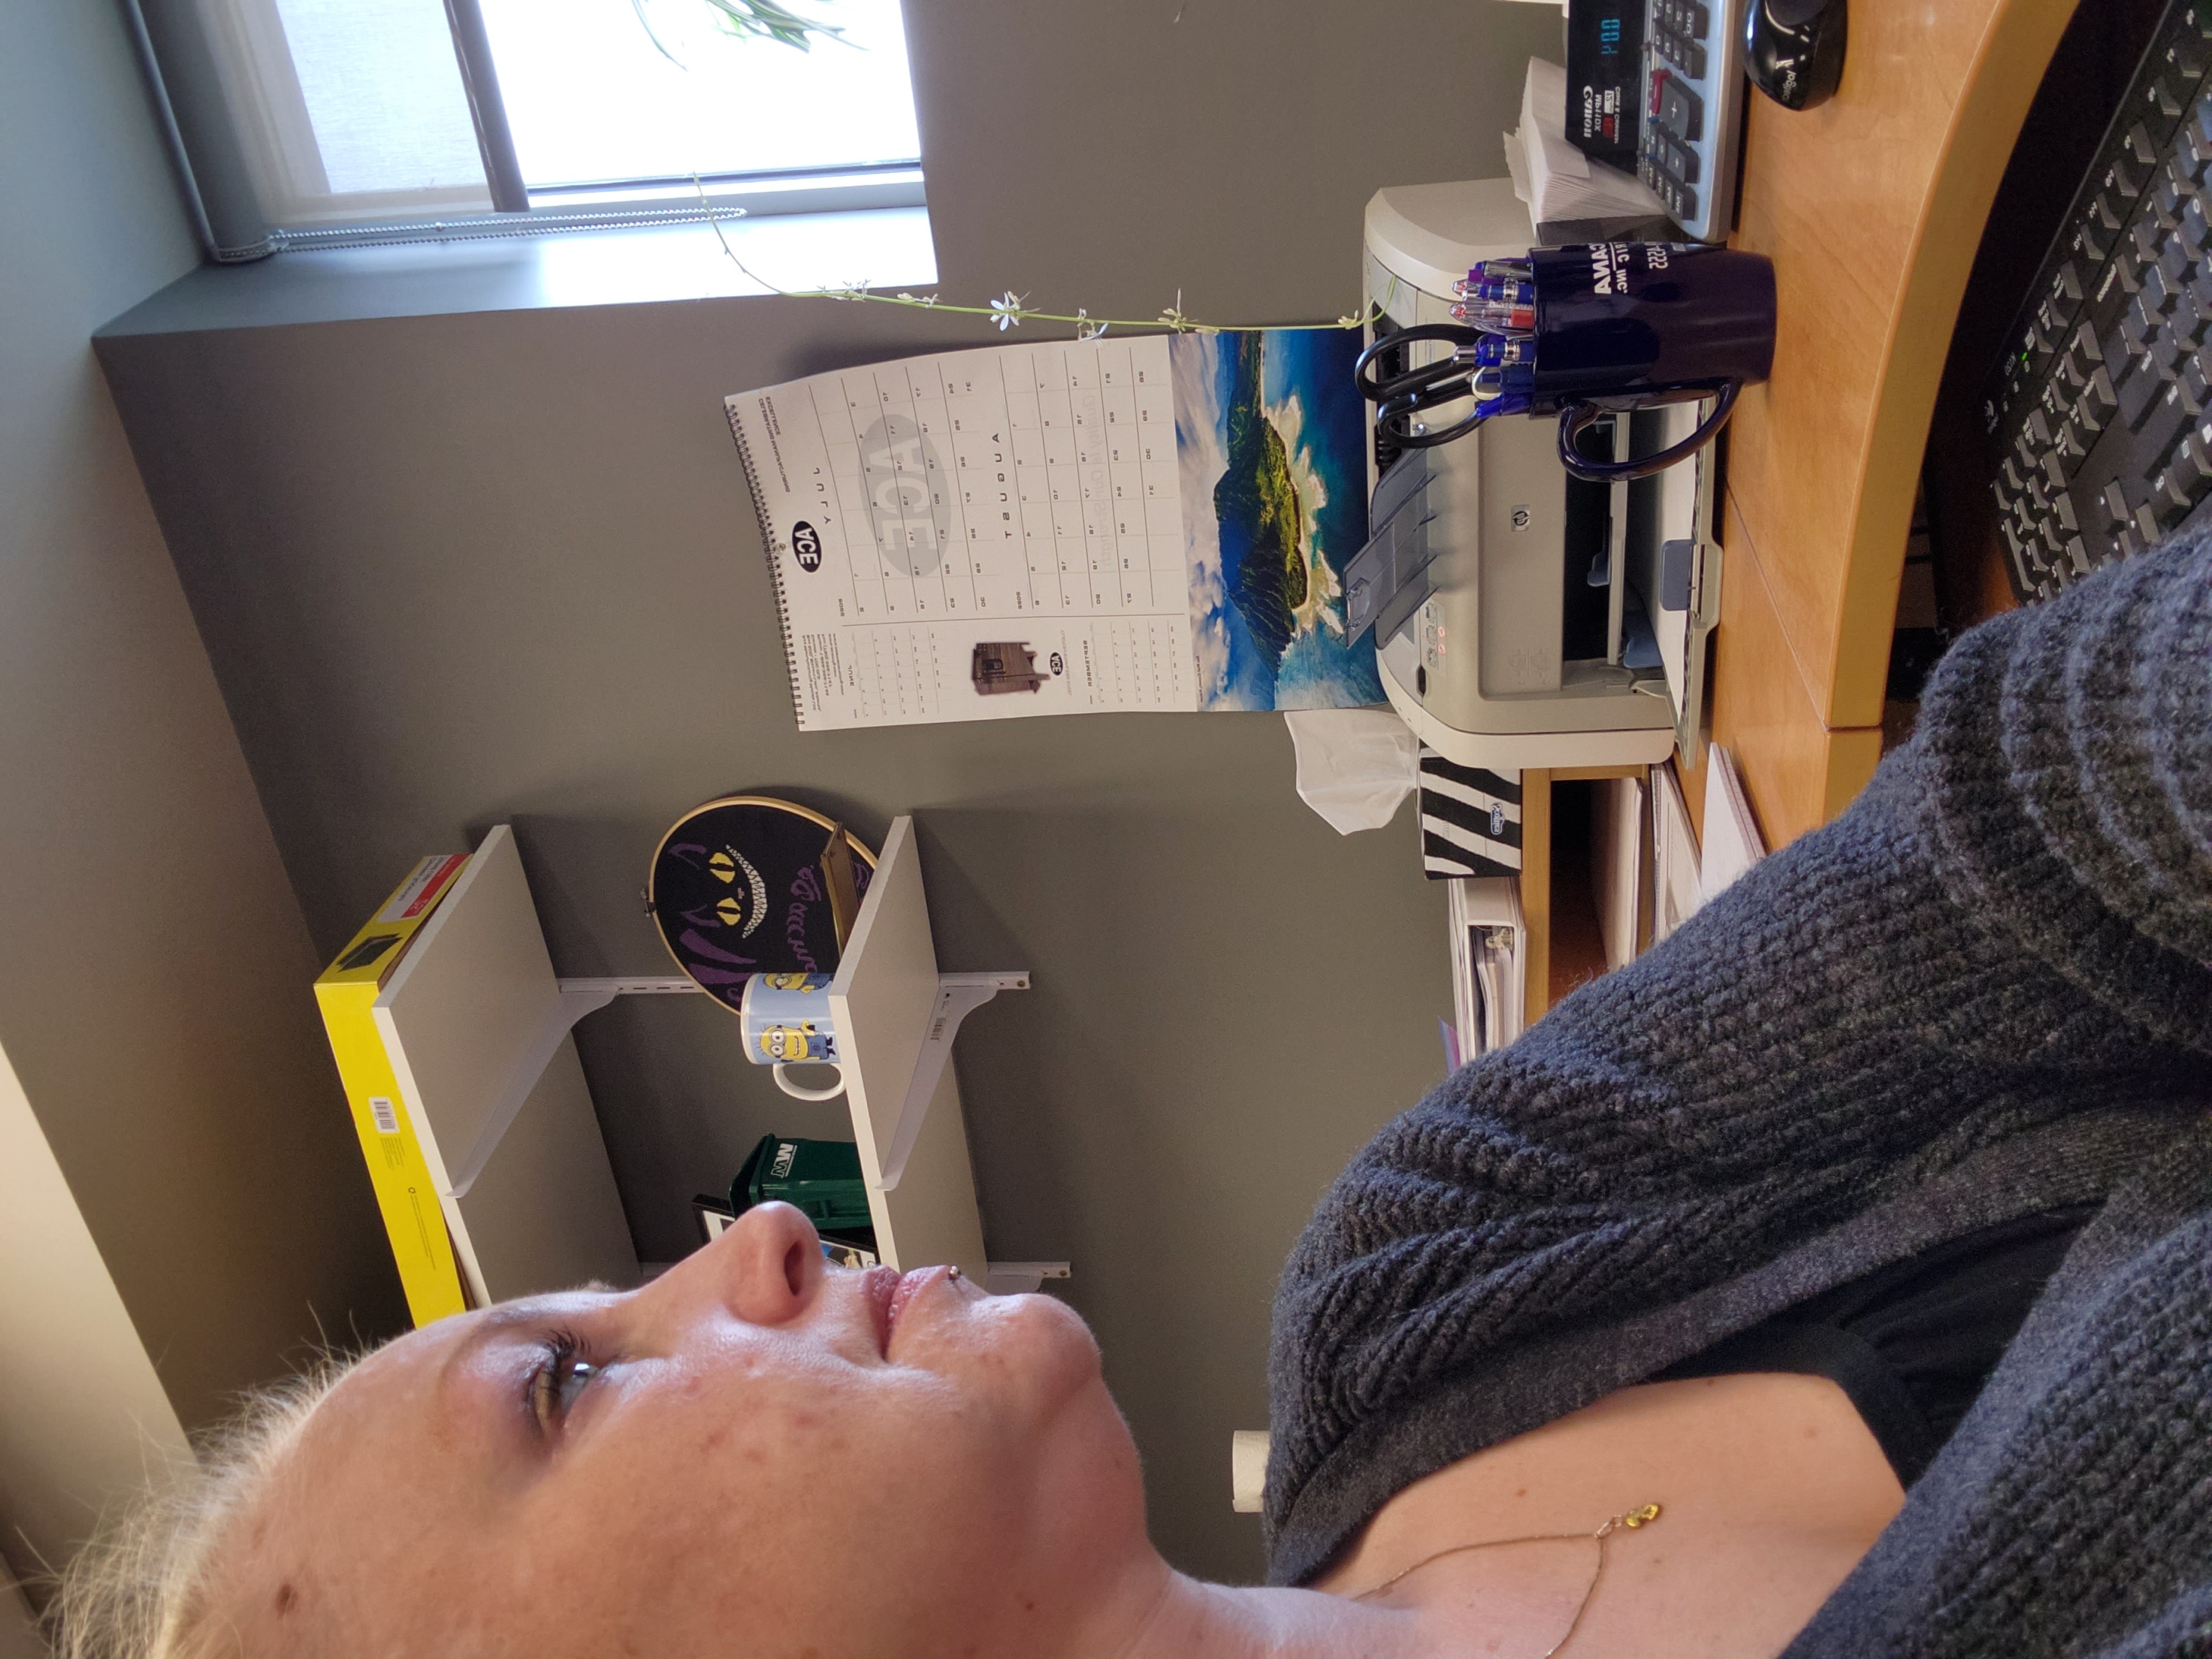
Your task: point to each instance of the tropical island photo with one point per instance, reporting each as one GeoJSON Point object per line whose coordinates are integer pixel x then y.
{"type": "Point", "coordinates": [1268, 427]}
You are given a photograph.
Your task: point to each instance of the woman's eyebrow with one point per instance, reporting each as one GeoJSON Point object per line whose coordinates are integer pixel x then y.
{"type": "Point", "coordinates": [494, 1327]}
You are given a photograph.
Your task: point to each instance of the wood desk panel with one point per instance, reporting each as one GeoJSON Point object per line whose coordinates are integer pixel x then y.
{"type": "Point", "coordinates": [1798, 772]}
{"type": "Point", "coordinates": [1871, 208]}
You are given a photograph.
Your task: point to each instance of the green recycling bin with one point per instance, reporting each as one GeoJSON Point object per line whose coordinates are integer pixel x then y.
{"type": "Point", "coordinates": [821, 1178]}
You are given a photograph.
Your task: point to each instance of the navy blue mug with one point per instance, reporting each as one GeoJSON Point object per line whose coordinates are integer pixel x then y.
{"type": "Point", "coordinates": [1623, 325]}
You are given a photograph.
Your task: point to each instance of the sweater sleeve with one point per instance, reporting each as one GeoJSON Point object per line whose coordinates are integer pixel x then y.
{"type": "Point", "coordinates": [2013, 924]}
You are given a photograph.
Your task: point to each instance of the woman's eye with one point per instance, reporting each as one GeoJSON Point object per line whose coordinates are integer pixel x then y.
{"type": "Point", "coordinates": [556, 1383]}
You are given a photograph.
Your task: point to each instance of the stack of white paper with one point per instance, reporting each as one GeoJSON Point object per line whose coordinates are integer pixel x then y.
{"type": "Point", "coordinates": [1557, 180]}
{"type": "Point", "coordinates": [1733, 843]}
{"type": "Point", "coordinates": [1676, 894]}
{"type": "Point", "coordinates": [1618, 844]}
{"type": "Point", "coordinates": [1489, 957]}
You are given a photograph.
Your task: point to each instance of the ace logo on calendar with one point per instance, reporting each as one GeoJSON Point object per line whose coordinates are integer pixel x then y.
{"type": "Point", "coordinates": [806, 545]}
{"type": "Point", "coordinates": [1157, 523]}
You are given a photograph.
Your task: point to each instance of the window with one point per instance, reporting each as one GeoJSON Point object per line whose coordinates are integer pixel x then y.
{"type": "Point", "coordinates": [347, 120]}
{"type": "Point", "coordinates": [592, 101]}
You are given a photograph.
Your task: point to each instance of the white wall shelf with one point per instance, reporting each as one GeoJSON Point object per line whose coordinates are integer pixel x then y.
{"type": "Point", "coordinates": [479, 1029]}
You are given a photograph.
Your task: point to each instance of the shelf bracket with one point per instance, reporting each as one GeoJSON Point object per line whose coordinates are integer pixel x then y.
{"type": "Point", "coordinates": [578, 996]}
{"type": "Point", "coordinates": [1019, 1277]}
{"type": "Point", "coordinates": [959, 995]}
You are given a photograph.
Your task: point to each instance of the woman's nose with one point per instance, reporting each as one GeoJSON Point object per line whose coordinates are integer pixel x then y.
{"type": "Point", "coordinates": [766, 1265]}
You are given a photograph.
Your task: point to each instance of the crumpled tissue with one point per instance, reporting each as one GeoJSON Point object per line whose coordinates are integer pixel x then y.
{"type": "Point", "coordinates": [1355, 765]}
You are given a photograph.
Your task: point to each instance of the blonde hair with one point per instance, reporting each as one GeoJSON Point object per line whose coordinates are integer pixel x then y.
{"type": "Point", "coordinates": [142, 1590]}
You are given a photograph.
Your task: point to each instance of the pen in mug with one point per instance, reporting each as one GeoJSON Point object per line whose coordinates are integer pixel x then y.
{"type": "Point", "coordinates": [1476, 286]}
{"type": "Point", "coordinates": [1497, 350]}
{"type": "Point", "coordinates": [1501, 316]}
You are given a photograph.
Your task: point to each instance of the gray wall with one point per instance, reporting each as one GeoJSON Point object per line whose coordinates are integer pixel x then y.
{"type": "Point", "coordinates": [154, 958]}
{"type": "Point", "coordinates": [454, 570]}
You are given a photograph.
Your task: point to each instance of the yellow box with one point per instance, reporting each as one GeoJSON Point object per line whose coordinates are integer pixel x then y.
{"type": "Point", "coordinates": [346, 991]}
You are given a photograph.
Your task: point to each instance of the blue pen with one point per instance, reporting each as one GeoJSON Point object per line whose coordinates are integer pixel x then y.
{"type": "Point", "coordinates": [1497, 350]}
{"type": "Point", "coordinates": [1475, 286]}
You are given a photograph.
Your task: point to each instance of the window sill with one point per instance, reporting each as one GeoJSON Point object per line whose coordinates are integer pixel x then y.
{"type": "Point", "coordinates": [885, 247]}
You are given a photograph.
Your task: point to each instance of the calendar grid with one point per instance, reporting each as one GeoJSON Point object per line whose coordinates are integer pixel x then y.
{"type": "Point", "coordinates": [996, 533]}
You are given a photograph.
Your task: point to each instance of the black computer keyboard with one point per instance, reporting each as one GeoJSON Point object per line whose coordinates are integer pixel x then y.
{"type": "Point", "coordinates": [2101, 411]}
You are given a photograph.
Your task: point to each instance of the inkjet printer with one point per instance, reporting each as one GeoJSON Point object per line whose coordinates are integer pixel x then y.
{"type": "Point", "coordinates": [1524, 617]}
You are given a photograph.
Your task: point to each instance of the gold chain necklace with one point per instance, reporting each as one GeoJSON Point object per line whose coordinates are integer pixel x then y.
{"type": "Point", "coordinates": [1633, 1519]}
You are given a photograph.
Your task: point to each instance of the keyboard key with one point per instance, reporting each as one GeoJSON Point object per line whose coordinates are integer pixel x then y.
{"type": "Point", "coordinates": [2197, 382]}
{"type": "Point", "coordinates": [2139, 385]}
{"type": "Point", "coordinates": [2098, 402]}
{"type": "Point", "coordinates": [1682, 160]}
{"type": "Point", "coordinates": [2192, 230]}
{"type": "Point", "coordinates": [2191, 468]}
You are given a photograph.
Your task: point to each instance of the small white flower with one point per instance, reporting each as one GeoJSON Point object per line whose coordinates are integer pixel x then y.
{"type": "Point", "coordinates": [1007, 313]}
{"type": "Point", "coordinates": [1173, 316]}
{"type": "Point", "coordinates": [1084, 328]}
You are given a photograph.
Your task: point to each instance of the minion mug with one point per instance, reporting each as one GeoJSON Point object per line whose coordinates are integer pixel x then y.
{"type": "Point", "coordinates": [786, 1022]}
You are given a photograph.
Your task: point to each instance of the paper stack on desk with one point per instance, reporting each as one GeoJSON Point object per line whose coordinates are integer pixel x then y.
{"type": "Point", "coordinates": [1489, 956]}
{"type": "Point", "coordinates": [1586, 200]}
{"type": "Point", "coordinates": [1733, 843]}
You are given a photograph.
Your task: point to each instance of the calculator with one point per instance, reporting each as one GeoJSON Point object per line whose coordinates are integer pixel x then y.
{"type": "Point", "coordinates": [1692, 111]}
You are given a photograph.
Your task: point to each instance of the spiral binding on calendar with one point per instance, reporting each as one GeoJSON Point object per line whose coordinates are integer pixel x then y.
{"type": "Point", "coordinates": [775, 550]}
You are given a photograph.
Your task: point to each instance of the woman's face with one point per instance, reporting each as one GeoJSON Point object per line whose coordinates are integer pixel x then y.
{"type": "Point", "coordinates": [754, 1454]}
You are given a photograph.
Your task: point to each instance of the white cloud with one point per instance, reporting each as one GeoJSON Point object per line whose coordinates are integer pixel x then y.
{"type": "Point", "coordinates": [1194, 360]}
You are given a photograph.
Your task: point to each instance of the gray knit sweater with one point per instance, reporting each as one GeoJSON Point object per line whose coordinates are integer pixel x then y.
{"type": "Point", "coordinates": [1983, 991]}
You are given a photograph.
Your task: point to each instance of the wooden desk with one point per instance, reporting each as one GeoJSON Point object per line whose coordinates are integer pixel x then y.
{"type": "Point", "coordinates": [1871, 208]}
